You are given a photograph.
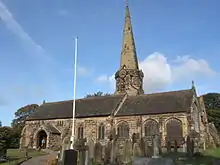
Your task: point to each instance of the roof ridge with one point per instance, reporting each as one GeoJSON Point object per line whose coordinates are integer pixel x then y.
{"type": "Point", "coordinates": [86, 98]}
{"type": "Point", "coordinates": [165, 92]}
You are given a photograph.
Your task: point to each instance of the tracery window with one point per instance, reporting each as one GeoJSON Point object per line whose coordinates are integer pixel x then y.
{"type": "Point", "coordinates": [123, 130]}
{"type": "Point", "coordinates": [80, 132]}
{"type": "Point", "coordinates": [151, 127]}
{"type": "Point", "coordinates": [101, 132]}
{"type": "Point", "coordinates": [174, 130]}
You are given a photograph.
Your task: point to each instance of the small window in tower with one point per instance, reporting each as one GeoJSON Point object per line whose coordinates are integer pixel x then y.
{"type": "Point", "coordinates": [129, 28]}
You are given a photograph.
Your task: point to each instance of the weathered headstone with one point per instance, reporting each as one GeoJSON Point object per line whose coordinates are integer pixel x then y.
{"type": "Point", "coordinates": [143, 147]}
{"type": "Point", "coordinates": [135, 146]}
{"type": "Point", "coordinates": [168, 146]}
{"type": "Point", "coordinates": [80, 146]}
{"type": "Point", "coordinates": [175, 146]}
{"type": "Point", "coordinates": [126, 156]}
{"type": "Point", "coordinates": [65, 146]}
{"type": "Point", "coordinates": [90, 154]}
{"type": "Point", "coordinates": [149, 146]}
{"type": "Point", "coordinates": [136, 150]}
{"type": "Point", "coordinates": [190, 146]}
{"type": "Point", "coordinates": [184, 146]}
{"type": "Point", "coordinates": [107, 150]}
{"type": "Point", "coordinates": [98, 153]}
{"type": "Point", "coordinates": [70, 157]}
{"type": "Point", "coordinates": [155, 147]}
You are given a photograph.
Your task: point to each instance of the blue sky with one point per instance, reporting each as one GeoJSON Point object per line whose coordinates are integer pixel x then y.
{"type": "Point", "coordinates": [176, 41]}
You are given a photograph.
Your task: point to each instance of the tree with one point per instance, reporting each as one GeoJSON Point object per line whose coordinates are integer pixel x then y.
{"type": "Point", "coordinates": [21, 115]}
{"type": "Point", "coordinates": [212, 104]}
{"type": "Point", "coordinates": [7, 136]}
{"type": "Point", "coordinates": [99, 93]}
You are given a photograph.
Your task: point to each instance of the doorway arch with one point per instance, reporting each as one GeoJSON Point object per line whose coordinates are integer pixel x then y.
{"type": "Point", "coordinates": [42, 139]}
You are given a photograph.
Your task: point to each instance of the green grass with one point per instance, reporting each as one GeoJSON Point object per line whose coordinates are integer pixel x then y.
{"type": "Point", "coordinates": [213, 152]}
{"type": "Point", "coordinates": [16, 156]}
{"type": "Point", "coordinates": [206, 158]}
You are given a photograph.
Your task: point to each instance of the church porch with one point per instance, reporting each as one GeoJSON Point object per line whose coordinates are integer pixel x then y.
{"type": "Point", "coordinates": [47, 137]}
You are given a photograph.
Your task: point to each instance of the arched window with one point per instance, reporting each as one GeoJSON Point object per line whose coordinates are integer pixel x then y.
{"type": "Point", "coordinates": [123, 130]}
{"type": "Point", "coordinates": [174, 131]}
{"type": "Point", "coordinates": [101, 132]}
{"type": "Point", "coordinates": [80, 132]}
{"type": "Point", "coordinates": [151, 128]}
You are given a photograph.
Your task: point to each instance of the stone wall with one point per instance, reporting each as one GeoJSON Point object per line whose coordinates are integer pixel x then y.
{"type": "Point", "coordinates": [54, 141]}
{"type": "Point", "coordinates": [90, 125]}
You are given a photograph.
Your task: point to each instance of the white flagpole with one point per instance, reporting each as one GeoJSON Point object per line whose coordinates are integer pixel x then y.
{"type": "Point", "coordinates": [74, 95]}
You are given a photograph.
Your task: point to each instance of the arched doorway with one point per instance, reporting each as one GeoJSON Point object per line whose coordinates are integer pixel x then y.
{"type": "Point", "coordinates": [42, 139]}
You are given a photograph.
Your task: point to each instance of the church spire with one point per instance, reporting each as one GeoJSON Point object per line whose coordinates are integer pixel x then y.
{"type": "Point", "coordinates": [128, 53]}
{"type": "Point", "coordinates": [129, 79]}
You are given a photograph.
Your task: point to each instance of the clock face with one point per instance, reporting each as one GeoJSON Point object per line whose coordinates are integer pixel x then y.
{"type": "Point", "coordinates": [122, 73]}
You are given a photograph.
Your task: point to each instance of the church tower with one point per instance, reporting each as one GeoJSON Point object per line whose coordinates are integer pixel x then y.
{"type": "Point", "coordinates": [129, 79]}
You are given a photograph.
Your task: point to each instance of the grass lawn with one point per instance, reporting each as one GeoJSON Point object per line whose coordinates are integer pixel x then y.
{"type": "Point", "coordinates": [213, 152]}
{"type": "Point", "coordinates": [205, 159]}
{"type": "Point", "coordinates": [16, 156]}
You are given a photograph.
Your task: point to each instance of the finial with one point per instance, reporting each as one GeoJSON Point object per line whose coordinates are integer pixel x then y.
{"type": "Point", "coordinates": [193, 84]}
{"type": "Point", "coordinates": [126, 3]}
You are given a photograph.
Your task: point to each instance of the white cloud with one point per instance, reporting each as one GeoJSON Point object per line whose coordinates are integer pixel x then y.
{"type": "Point", "coordinates": [197, 68]}
{"type": "Point", "coordinates": [9, 21]}
{"type": "Point", "coordinates": [84, 71]}
{"type": "Point", "coordinates": [103, 78]}
{"type": "Point", "coordinates": [159, 73]}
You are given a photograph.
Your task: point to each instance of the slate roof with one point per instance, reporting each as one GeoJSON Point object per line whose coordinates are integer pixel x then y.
{"type": "Point", "coordinates": [157, 103]}
{"type": "Point", "coordinates": [146, 104]}
{"type": "Point", "coordinates": [87, 107]}
{"type": "Point", "coordinates": [52, 129]}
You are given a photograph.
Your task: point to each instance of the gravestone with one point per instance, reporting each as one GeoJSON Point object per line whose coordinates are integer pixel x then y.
{"type": "Point", "coordinates": [115, 148]}
{"type": "Point", "coordinates": [126, 156]}
{"type": "Point", "coordinates": [143, 147]}
{"type": "Point", "coordinates": [80, 146]}
{"type": "Point", "coordinates": [184, 146]}
{"type": "Point", "coordinates": [98, 153]}
{"type": "Point", "coordinates": [65, 146]}
{"type": "Point", "coordinates": [70, 157]}
{"type": "Point", "coordinates": [107, 152]}
{"type": "Point", "coordinates": [168, 146]}
{"type": "Point", "coordinates": [190, 146]}
{"type": "Point", "coordinates": [155, 146]}
{"type": "Point", "coordinates": [90, 153]}
{"type": "Point", "coordinates": [149, 146]}
{"type": "Point", "coordinates": [175, 146]}
{"type": "Point", "coordinates": [136, 150]}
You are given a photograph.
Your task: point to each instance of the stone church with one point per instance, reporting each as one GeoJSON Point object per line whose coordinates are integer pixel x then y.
{"type": "Point", "coordinates": [172, 115]}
